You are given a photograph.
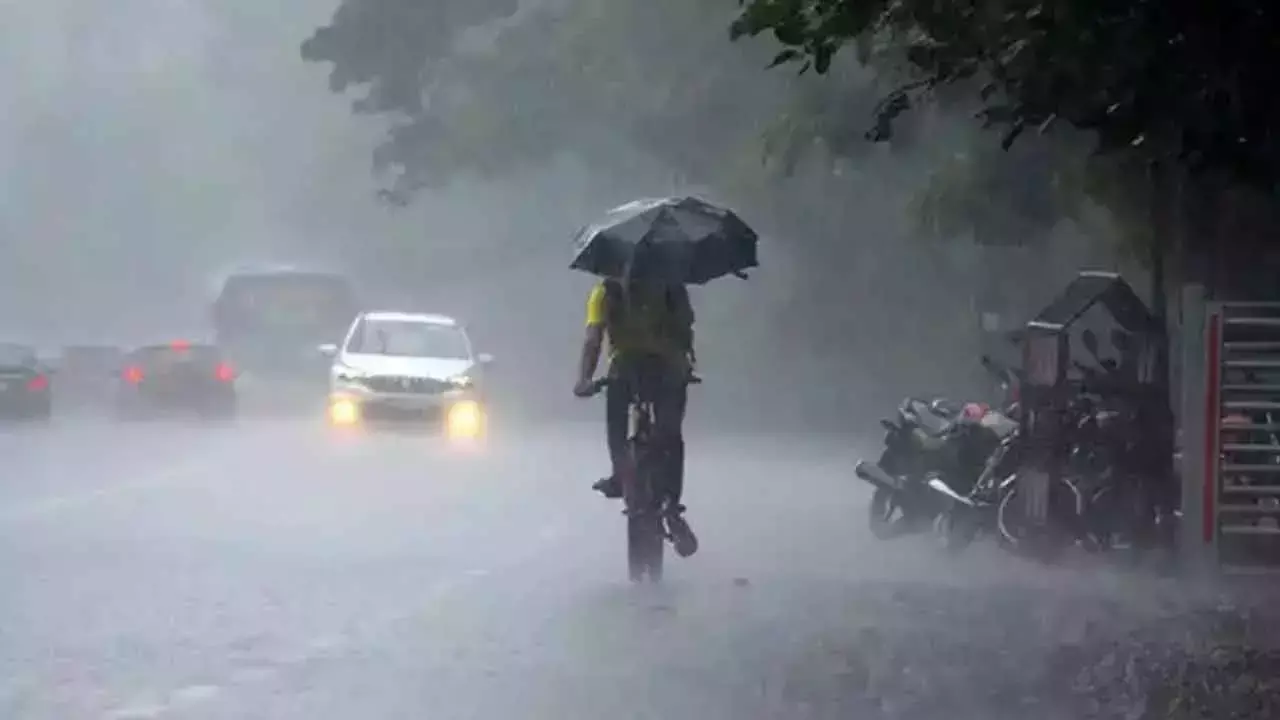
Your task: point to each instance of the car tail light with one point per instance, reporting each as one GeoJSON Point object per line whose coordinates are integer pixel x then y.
{"type": "Point", "coordinates": [38, 383]}
{"type": "Point", "coordinates": [133, 375]}
{"type": "Point", "coordinates": [224, 372]}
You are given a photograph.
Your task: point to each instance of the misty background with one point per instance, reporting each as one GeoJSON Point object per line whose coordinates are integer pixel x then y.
{"type": "Point", "coordinates": [154, 146]}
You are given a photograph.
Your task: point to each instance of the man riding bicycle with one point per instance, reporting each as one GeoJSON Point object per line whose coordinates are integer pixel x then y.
{"type": "Point", "coordinates": [650, 331]}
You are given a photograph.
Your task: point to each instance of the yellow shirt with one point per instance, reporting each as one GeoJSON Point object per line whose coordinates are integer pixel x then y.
{"type": "Point", "coordinates": [644, 330]}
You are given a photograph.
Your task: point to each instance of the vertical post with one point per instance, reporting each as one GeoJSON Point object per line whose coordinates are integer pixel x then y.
{"type": "Point", "coordinates": [1197, 555]}
{"type": "Point", "coordinates": [1045, 357]}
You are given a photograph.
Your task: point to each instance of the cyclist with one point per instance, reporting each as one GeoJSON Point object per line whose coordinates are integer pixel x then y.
{"type": "Point", "coordinates": [650, 331]}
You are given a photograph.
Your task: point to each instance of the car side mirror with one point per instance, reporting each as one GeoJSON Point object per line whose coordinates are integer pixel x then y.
{"type": "Point", "coordinates": [328, 350]}
{"type": "Point", "coordinates": [484, 359]}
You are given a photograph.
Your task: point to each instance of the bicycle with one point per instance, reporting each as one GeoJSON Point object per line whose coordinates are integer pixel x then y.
{"type": "Point", "coordinates": [644, 495]}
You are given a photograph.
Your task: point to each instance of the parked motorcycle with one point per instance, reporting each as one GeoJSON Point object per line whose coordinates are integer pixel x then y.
{"type": "Point", "coordinates": [971, 507]}
{"type": "Point", "coordinates": [926, 440]}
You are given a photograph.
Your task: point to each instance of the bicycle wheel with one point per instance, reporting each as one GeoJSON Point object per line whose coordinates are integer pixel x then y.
{"type": "Point", "coordinates": [645, 533]}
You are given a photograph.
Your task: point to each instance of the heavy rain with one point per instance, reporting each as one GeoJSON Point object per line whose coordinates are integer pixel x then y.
{"type": "Point", "coordinates": [304, 308]}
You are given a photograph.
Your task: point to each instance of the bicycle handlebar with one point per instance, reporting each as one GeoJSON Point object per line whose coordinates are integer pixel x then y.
{"type": "Point", "coordinates": [600, 384]}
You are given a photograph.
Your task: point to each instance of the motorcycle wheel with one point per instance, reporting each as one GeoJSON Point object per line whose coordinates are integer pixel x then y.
{"type": "Point", "coordinates": [885, 515]}
{"type": "Point", "coordinates": [953, 533]}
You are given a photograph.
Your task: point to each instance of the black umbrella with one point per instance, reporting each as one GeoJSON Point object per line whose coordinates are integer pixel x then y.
{"type": "Point", "coordinates": [672, 240]}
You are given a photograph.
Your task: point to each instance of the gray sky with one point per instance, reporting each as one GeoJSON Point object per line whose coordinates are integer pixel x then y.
{"type": "Point", "coordinates": [147, 145]}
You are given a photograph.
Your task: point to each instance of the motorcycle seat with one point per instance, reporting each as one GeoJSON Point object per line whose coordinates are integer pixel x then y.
{"type": "Point", "coordinates": [935, 417]}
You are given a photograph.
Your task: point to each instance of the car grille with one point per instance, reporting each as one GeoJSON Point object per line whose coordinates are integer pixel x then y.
{"type": "Point", "coordinates": [400, 384]}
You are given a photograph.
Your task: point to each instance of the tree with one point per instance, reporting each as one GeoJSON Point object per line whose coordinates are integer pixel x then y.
{"type": "Point", "coordinates": [590, 76]}
{"type": "Point", "coordinates": [1152, 77]}
{"type": "Point", "coordinates": [585, 74]}
{"type": "Point", "coordinates": [395, 47]}
{"type": "Point", "coordinates": [1177, 95]}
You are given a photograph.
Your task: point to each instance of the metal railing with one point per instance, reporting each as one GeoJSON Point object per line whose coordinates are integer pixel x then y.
{"type": "Point", "coordinates": [1239, 503]}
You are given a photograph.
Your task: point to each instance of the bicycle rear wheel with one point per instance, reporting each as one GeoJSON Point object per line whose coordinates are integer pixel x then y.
{"type": "Point", "coordinates": [646, 535]}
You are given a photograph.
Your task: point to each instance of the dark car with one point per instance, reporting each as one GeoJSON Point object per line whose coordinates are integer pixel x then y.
{"type": "Point", "coordinates": [177, 378]}
{"type": "Point", "coordinates": [25, 384]}
{"type": "Point", "coordinates": [87, 375]}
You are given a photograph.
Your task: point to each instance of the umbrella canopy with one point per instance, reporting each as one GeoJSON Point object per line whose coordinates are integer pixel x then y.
{"type": "Point", "coordinates": [681, 240]}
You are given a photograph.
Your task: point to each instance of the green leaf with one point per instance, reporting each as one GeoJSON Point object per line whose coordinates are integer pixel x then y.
{"type": "Point", "coordinates": [785, 56]}
{"type": "Point", "coordinates": [822, 59]}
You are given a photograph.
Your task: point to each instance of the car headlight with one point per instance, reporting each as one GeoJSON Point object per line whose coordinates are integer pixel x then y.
{"type": "Point", "coordinates": [464, 420]}
{"type": "Point", "coordinates": [343, 411]}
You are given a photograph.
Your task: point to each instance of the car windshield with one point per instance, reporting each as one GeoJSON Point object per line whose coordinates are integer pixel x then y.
{"type": "Point", "coordinates": [12, 354]}
{"type": "Point", "coordinates": [408, 338]}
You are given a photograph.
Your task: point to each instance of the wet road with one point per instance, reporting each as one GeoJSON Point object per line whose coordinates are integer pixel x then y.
{"type": "Point", "coordinates": [268, 570]}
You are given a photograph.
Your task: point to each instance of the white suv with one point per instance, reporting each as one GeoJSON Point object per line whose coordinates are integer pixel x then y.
{"type": "Point", "coordinates": [406, 366]}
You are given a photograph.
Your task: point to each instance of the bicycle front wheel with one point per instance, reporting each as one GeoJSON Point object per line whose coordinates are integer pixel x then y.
{"type": "Point", "coordinates": [645, 548]}
{"type": "Point", "coordinates": [646, 534]}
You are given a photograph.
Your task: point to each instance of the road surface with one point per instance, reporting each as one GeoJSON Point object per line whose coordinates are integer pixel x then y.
{"type": "Point", "coordinates": [269, 570]}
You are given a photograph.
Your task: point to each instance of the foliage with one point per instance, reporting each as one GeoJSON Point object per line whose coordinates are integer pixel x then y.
{"type": "Point", "coordinates": [587, 74]}
{"type": "Point", "coordinates": [1149, 75]}
{"type": "Point", "coordinates": [1001, 198]}
{"type": "Point", "coordinates": [1169, 103]}
{"type": "Point", "coordinates": [395, 47]}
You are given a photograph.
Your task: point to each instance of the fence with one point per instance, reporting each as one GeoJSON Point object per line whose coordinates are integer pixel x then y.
{"type": "Point", "coordinates": [1230, 413]}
